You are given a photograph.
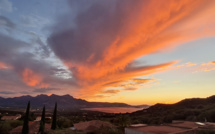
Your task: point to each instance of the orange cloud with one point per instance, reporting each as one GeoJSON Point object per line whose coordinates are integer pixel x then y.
{"type": "Point", "coordinates": [213, 62]}
{"type": "Point", "coordinates": [130, 89]}
{"type": "Point", "coordinates": [118, 78]}
{"type": "Point", "coordinates": [203, 67]}
{"type": "Point", "coordinates": [135, 83]}
{"type": "Point", "coordinates": [32, 79]}
{"type": "Point", "coordinates": [110, 91]}
{"type": "Point", "coordinates": [143, 28]}
{"type": "Point", "coordinates": [100, 96]}
{"type": "Point", "coordinates": [190, 64]}
{"type": "Point", "coordinates": [207, 66]}
{"type": "Point", "coordinates": [142, 81]}
{"type": "Point", "coordinates": [4, 66]}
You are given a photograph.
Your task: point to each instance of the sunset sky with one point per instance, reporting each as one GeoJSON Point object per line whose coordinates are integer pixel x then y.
{"type": "Point", "coordinates": [132, 51]}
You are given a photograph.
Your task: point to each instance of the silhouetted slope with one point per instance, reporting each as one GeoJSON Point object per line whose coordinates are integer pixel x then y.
{"type": "Point", "coordinates": [65, 102]}
{"type": "Point", "coordinates": [195, 109]}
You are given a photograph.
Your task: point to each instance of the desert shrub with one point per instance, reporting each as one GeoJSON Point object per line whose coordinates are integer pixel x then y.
{"type": "Point", "coordinates": [106, 130]}
{"type": "Point", "coordinates": [63, 122]}
{"type": "Point", "coordinates": [15, 123]}
{"type": "Point", "coordinates": [123, 121]}
{"type": "Point", "coordinates": [5, 127]}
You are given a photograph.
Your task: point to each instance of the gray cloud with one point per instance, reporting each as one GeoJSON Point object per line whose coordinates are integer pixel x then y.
{"type": "Point", "coordinates": [45, 90]}
{"type": "Point", "coordinates": [7, 92]}
{"type": "Point", "coordinates": [10, 46]}
{"type": "Point", "coordinates": [19, 55]}
{"type": "Point", "coordinates": [43, 49]}
{"type": "Point", "coordinates": [34, 20]}
{"type": "Point", "coordinates": [97, 24]}
{"type": "Point", "coordinates": [4, 21]}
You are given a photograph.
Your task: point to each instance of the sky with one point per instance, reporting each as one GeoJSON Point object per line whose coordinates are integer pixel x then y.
{"type": "Point", "coordinates": [136, 52]}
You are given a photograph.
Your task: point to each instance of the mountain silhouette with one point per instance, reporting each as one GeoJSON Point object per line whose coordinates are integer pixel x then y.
{"type": "Point", "coordinates": [64, 102]}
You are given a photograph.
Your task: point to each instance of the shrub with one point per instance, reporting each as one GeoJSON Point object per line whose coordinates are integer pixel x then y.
{"type": "Point", "coordinates": [63, 122]}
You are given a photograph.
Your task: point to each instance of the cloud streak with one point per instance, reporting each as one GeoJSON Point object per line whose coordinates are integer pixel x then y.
{"type": "Point", "coordinates": [4, 66]}
{"type": "Point", "coordinates": [4, 21]}
{"type": "Point", "coordinates": [92, 47]}
{"type": "Point", "coordinates": [110, 91]}
{"type": "Point", "coordinates": [107, 36]}
{"type": "Point", "coordinates": [194, 67]}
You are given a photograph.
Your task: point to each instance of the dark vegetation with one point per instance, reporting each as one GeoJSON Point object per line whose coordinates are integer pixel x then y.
{"type": "Point", "coordinates": [54, 118]}
{"type": "Point", "coordinates": [6, 126]}
{"type": "Point", "coordinates": [195, 109]}
{"type": "Point", "coordinates": [25, 128]}
{"type": "Point", "coordinates": [42, 122]}
{"type": "Point", "coordinates": [189, 109]}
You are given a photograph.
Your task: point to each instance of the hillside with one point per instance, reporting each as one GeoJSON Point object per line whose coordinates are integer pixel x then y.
{"type": "Point", "coordinates": [195, 109]}
{"type": "Point", "coordinates": [64, 102]}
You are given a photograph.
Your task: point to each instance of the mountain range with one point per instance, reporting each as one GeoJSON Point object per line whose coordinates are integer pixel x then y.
{"type": "Point", "coordinates": [64, 102]}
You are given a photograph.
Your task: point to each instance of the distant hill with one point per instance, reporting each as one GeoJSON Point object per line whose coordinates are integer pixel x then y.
{"type": "Point", "coordinates": [64, 102]}
{"type": "Point", "coordinates": [194, 109]}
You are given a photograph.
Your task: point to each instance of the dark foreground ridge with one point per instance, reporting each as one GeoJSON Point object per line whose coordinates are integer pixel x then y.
{"type": "Point", "coordinates": [195, 109]}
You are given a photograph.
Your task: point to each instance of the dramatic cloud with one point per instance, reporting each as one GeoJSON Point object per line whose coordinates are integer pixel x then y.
{"type": "Point", "coordinates": [101, 42]}
{"type": "Point", "coordinates": [92, 48]}
{"type": "Point", "coordinates": [21, 71]}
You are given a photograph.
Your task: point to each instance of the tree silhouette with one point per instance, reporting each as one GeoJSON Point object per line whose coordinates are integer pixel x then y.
{"type": "Point", "coordinates": [25, 129]}
{"type": "Point", "coordinates": [42, 122]}
{"type": "Point", "coordinates": [54, 118]}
